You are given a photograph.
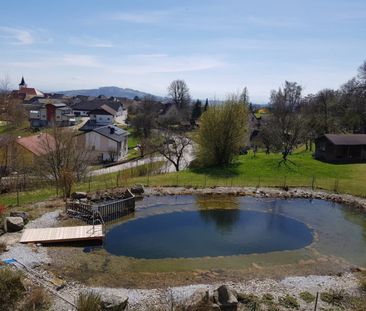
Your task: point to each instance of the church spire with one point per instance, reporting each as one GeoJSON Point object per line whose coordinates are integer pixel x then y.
{"type": "Point", "coordinates": [22, 84]}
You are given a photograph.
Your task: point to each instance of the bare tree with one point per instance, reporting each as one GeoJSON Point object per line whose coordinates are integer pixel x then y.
{"type": "Point", "coordinates": [143, 120]}
{"type": "Point", "coordinates": [285, 121]}
{"type": "Point", "coordinates": [172, 147]}
{"type": "Point", "coordinates": [178, 91]}
{"type": "Point", "coordinates": [11, 109]}
{"type": "Point", "coordinates": [63, 160]}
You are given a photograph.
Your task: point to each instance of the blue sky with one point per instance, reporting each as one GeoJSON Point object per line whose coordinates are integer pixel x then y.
{"type": "Point", "coordinates": [218, 47]}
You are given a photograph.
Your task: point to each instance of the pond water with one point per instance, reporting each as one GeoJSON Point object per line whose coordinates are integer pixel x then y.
{"type": "Point", "coordinates": [203, 233]}
{"type": "Point", "coordinates": [199, 226]}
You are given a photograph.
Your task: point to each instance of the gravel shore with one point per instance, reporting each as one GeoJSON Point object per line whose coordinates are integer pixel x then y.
{"type": "Point", "coordinates": [163, 299]}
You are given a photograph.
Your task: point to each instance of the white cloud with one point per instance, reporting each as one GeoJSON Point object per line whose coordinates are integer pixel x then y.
{"type": "Point", "coordinates": [91, 42]}
{"type": "Point", "coordinates": [80, 60]}
{"type": "Point", "coordinates": [74, 60]}
{"type": "Point", "coordinates": [16, 35]}
{"type": "Point", "coordinates": [138, 18]}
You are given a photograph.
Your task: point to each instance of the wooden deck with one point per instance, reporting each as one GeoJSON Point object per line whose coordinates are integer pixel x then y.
{"type": "Point", "coordinates": [62, 234]}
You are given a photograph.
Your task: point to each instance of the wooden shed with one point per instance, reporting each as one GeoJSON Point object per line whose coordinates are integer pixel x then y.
{"type": "Point", "coordinates": [341, 148]}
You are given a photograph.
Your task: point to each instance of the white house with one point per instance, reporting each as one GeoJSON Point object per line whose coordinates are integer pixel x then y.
{"type": "Point", "coordinates": [103, 115]}
{"type": "Point", "coordinates": [107, 143]}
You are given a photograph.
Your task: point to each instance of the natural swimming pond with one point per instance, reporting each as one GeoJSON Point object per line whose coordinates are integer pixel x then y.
{"type": "Point", "coordinates": [203, 233]}
{"type": "Point", "coordinates": [199, 226]}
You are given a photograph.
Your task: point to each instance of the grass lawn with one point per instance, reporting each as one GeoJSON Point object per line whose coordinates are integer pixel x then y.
{"type": "Point", "coordinates": [108, 181]}
{"type": "Point", "coordinates": [132, 138]}
{"type": "Point", "coordinates": [262, 170]}
{"type": "Point", "coordinates": [9, 129]}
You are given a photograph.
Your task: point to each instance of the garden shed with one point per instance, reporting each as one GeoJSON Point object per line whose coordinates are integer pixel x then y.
{"type": "Point", "coordinates": [341, 148]}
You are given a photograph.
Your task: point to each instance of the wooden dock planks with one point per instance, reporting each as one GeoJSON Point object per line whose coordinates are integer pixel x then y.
{"type": "Point", "coordinates": [62, 234]}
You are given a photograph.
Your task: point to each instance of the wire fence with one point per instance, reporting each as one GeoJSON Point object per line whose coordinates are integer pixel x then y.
{"type": "Point", "coordinates": [155, 175]}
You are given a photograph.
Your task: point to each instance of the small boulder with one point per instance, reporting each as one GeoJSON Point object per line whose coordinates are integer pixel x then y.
{"type": "Point", "coordinates": [14, 224]}
{"type": "Point", "coordinates": [24, 215]}
{"type": "Point", "coordinates": [2, 232]}
{"type": "Point", "coordinates": [137, 189]}
{"type": "Point", "coordinates": [200, 300]}
{"type": "Point", "coordinates": [78, 195]}
{"type": "Point", "coordinates": [112, 302]}
{"type": "Point", "coordinates": [226, 298]}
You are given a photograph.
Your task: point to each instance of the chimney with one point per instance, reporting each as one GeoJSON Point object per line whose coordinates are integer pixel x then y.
{"type": "Point", "coordinates": [111, 130]}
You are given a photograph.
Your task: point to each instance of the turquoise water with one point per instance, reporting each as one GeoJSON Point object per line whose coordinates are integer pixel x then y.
{"type": "Point", "coordinates": [193, 226]}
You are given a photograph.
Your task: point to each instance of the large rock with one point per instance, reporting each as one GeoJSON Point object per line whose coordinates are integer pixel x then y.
{"type": "Point", "coordinates": [78, 195]}
{"type": "Point", "coordinates": [24, 215]}
{"type": "Point", "coordinates": [137, 189]}
{"type": "Point", "coordinates": [14, 224]}
{"type": "Point", "coordinates": [226, 298]}
{"type": "Point", "coordinates": [200, 300]}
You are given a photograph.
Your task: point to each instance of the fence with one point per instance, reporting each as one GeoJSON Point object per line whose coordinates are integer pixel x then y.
{"type": "Point", "coordinates": [107, 211]}
{"type": "Point", "coordinates": [203, 180]}
{"type": "Point", "coordinates": [154, 174]}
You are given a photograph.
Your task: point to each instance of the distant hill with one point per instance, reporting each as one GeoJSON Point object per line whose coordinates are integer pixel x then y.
{"type": "Point", "coordinates": [108, 91]}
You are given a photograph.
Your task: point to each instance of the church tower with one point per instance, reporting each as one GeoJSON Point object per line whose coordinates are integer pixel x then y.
{"type": "Point", "coordinates": [22, 84]}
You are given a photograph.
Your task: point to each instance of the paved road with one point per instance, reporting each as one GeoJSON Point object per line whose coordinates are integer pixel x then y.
{"type": "Point", "coordinates": [169, 167]}
{"type": "Point", "coordinates": [124, 166]}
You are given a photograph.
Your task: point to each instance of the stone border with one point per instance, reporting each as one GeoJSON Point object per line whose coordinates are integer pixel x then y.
{"type": "Point", "coordinates": [346, 199]}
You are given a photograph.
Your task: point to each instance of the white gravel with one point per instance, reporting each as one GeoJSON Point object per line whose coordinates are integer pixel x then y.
{"type": "Point", "coordinates": [46, 220]}
{"type": "Point", "coordinates": [31, 256]}
{"type": "Point", "coordinates": [162, 299]}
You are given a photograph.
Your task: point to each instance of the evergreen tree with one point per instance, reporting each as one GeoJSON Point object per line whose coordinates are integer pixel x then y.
{"type": "Point", "coordinates": [197, 110]}
{"type": "Point", "coordinates": [206, 105]}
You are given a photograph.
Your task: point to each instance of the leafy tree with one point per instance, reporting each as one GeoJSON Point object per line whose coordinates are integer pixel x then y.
{"type": "Point", "coordinates": [222, 132]}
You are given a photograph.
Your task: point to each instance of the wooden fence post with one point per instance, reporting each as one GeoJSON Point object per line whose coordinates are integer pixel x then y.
{"type": "Point", "coordinates": [316, 301]}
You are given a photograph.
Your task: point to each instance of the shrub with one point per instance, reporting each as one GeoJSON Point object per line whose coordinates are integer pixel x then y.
{"type": "Point", "coordinates": [37, 299]}
{"type": "Point", "coordinates": [2, 247]}
{"type": "Point", "coordinates": [89, 302]}
{"type": "Point", "coordinates": [267, 298]}
{"type": "Point", "coordinates": [2, 212]}
{"type": "Point", "coordinates": [363, 282]}
{"type": "Point", "coordinates": [249, 300]}
{"type": "Point", "coordinates": [307, 297]}
{"type": "Point", "coordinates": [333, 297]}
{"type": "Point", "coordinates": [11, 288]}
{"type": "Point", "coordinates": [289, 302]}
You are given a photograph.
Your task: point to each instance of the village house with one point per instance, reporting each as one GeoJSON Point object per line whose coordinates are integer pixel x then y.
{"type": "Point", "coordinates": [106, 143]}
{"type": "Point", "coordinates": [30, 147]}
{"type": "Point", "coordinates": [83, 108]}
{"type": "Point", "coordinates": [341, 148]}
{"type": "Point", "coordinates": [105, 115]}
{"type": "Point", "coordinates": [52, 113]}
